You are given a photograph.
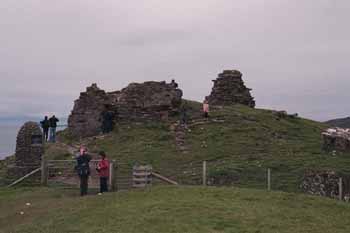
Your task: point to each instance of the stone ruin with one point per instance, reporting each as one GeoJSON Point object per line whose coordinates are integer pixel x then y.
{"type": "Point", "coordinates": [325, 183]}
{"type": "Point", "coordinates": [337, 139]}
{"type": "Point", "coordinates": [29, 150]}
{"type": "Point", "coordinates": [85, 119]}
{"type": "Point", "coordinates": [149, 100]}
{"type": "Point", "coordinates": [229, 89]}
{"type": "Point", "coordinates": [137, 102]}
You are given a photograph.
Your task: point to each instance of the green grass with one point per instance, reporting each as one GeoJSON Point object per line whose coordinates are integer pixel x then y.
{"type": "Point", "coordinates": [241, 148]}
{"type": "Point", "coordinates": [246, 143]}
{"type": "Point", "coordinates": [170, 209]}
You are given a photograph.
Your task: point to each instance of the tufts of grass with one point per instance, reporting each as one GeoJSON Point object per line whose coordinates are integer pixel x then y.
{"type": "Point", "coordinates": [170, 209]}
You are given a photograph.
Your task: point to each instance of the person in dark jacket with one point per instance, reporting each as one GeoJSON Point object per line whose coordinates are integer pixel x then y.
{"type": "Point", "coordinates": [103, 171]}
{"type": "Point", "coordinates": [53, 124]}
{"type": "Point", "coordinates": [83, 170]}
{"type": "Point", "coordinates": [183, 114]}
{"type": "Point", "coordinates": [107, 121]}
{"type": "Point", "coordinates": [45, 124]}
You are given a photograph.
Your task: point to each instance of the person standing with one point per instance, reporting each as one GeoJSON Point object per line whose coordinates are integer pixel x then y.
{"type": "Point", "coordinates": [107, 120]}
{"type": "Point", "coordinates": [53, 125]}
{"type": "Point", "coordinates": [45, 124]}
{"type": "Point", "coordinates": [206, 108]}
{"type": "Point", "coordinates": [103, 171]}
{"type": "Point", "coordinates": [83, 170]}
{"type": "Point", "coordinates": [183, 114]}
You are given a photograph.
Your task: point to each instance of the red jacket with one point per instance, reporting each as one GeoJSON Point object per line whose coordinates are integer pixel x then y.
{"type": "Point", "coordinates": [103, 170]}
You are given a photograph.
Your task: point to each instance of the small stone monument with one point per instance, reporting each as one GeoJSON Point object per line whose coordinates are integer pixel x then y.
{"type": "Point", "coordinates": [29, 150]}
{"type": "Point", "coordinates": [230, 89]}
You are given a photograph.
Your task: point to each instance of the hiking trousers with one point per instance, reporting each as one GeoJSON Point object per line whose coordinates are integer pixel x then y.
{"type": "Point", "coordinates": [84, 185]}
{"type": "Point", "coordinates": [103, 184]}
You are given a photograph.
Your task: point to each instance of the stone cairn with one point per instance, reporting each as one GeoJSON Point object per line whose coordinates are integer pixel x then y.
{"type": "Point", "coordinates": [29, 150]}
{"type": "Point", "coordinates": [337, 139]}
{"type": "Point", "coordinates": [137, 102]}
{"type": "Point", "coordinates": [229, 89]}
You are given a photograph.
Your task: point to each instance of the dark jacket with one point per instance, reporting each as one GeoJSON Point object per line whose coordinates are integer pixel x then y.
{"type": "Point", "coordinates": [53, 122]}
{"type": "Point", "coordinates": [45, 124]}
{"type": "Point", "coordinates": [82, 167]}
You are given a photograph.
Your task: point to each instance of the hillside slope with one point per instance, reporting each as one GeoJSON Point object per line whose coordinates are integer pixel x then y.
{"type": "Point", "coordinates": [170, 209]}
{"type": "Point", "coordinates": [341, 122]}
{"type": "Point", "coordinates": [238, 142]}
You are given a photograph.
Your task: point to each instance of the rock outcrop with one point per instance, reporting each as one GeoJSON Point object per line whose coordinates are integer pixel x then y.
{"type": "Point", "coordinates": [137, 102]}
{"type": "Point", "coordinates": [336, 139]}
{"type": "Point", "coordinates": [229, 89]}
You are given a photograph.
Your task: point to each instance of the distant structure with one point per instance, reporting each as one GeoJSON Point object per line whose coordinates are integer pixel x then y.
{"type": "Point", "coordinates": [229, 89]}
{"type": "Point", "coordinates": [137, 102]}
{"type": "Point", "coordinates": [337, 139]}
{"type": "Point", "coordinates": [29, 150]}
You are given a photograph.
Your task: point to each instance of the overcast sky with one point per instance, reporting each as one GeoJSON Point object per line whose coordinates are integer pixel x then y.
{"type": "Point", "coordinates": [294, 54]}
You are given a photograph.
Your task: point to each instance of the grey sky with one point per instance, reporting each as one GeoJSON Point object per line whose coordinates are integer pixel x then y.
{"type": "Point", "coordinates": [294, 54]}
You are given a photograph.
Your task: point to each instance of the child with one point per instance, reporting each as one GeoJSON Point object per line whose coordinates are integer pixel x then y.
{"type": "Point", "coordinates": [206, 108]}
{"type": "Point", "coordinates": [103, 171]}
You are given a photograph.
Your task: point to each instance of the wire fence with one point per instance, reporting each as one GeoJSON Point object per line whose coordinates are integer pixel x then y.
{"type": "Point", "coordinates": [219, 173]}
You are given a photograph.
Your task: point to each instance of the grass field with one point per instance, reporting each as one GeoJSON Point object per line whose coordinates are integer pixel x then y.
{"type": "Point", "coordinates": [242, 145]}
{"type": "Point", "coordinates": [170, 209]}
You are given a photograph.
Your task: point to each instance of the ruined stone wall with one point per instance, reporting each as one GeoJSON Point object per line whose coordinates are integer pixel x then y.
{"type": "Point", "coordinates": [325, 183]}
{"type": "Point", "coordinates": [137, 102]}
{"type": "Point", "coordinates": [229, 89]}
{"type": "Point", "coordinates": [149, 100]}
{"type": "Point", "coordinates": [85, 118]}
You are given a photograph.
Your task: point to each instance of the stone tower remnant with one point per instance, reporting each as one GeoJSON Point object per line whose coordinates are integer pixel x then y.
{"type": "Point", "coordinates": [138, 102]}
{"type": "Point", "coordinates": [229, 89]}
{"type": "Point", "coordinates": [85, 119]}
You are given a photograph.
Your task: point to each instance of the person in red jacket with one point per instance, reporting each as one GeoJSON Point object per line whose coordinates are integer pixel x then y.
{"type": "Point", "coordinates": [103, 171]}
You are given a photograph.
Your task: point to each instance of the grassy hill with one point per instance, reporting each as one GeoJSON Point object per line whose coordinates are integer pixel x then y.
{"type": "Point", "coordinates": [170, 209]}
{"type": "Point", "coordinates": [238, 142]}
{"type": "Point", "coordinates": [341, 122]}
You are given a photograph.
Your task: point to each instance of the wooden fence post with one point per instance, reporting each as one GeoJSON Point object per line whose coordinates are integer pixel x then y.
{"type": "Point", "coordinates": [340, 189]}
{"type": "Point", "coordinates": [204, 173]}
{"type": "Point", "coordinates": [112, 175]}
{"type": "Point", "coordinates": [44, 171]}
{"type": "Point", "coordinates": [269, 179]}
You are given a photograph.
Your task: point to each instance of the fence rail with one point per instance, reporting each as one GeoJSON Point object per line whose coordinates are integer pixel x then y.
{"type": "Point", "coordinates": [207, 173]}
